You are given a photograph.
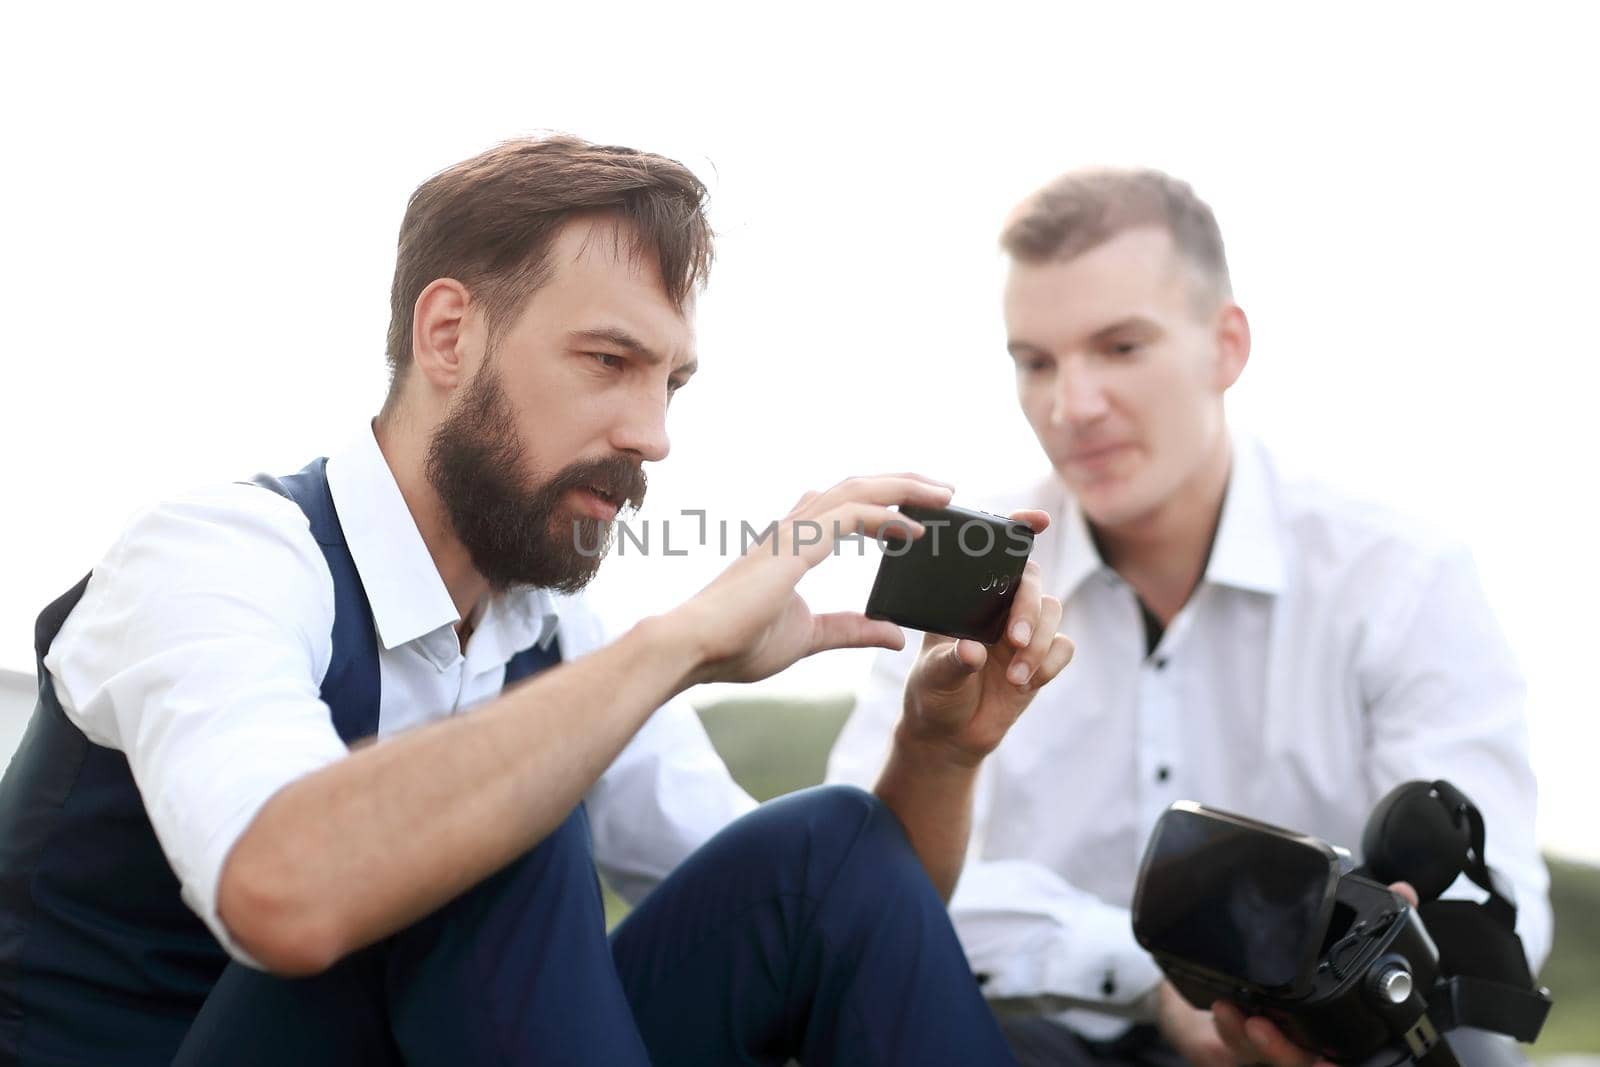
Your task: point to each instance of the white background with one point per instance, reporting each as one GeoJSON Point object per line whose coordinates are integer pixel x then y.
{"type": "Point", "coordinates": [199, 208]}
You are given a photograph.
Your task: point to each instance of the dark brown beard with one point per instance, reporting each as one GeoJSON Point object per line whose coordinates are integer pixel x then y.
{"type": "Point", "coordinates": [510, 530]}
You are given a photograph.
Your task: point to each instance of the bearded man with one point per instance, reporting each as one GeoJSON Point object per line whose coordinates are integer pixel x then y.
{"type": "Point", "coordinates": [323, 765]}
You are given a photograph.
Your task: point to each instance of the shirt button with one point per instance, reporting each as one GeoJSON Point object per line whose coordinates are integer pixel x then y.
{"type": "Point", "coordinates": [1108, 987]}
{"type": "Point", "coordinates": [1160, 663]}
{"type": "Point", "coordinates": [1163, 773]}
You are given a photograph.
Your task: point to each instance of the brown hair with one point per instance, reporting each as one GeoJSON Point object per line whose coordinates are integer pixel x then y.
{"type": "Point", "coordinates": [1085, 208]}
{"type": "Point", "coordinates": [488, 222]}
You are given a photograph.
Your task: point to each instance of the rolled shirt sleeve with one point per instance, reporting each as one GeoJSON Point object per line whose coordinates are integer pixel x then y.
{"type": "Point", "coordinates": [198, 651]}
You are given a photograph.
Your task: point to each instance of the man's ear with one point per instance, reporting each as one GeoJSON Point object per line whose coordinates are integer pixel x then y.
{"type": "Point", "coordinates": [1233, 345]}
{"type": "Point", "coordinates": [442, 334]}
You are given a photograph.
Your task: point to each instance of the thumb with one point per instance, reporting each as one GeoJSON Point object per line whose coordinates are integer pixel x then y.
{"type": "Point", "coordinates": [946, 664]}
{"type": "Point", "coordinates": [851, 629]}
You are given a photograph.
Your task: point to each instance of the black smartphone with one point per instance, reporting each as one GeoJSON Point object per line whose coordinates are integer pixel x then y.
{"type": "Point", "coordinates": [958, 579]}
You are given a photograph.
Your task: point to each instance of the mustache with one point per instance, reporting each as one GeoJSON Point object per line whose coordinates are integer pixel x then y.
{"type": "Point", "coordinates": [618, 477]}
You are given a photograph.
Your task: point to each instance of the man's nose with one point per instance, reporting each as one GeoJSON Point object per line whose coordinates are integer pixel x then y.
{"type": "Point", "coordinates": [1080, 395]}
{"type": "Point", "coordinates": [643, 431]}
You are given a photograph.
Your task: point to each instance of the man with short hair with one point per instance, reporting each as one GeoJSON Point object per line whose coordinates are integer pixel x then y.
{"type": "Point", "coordinates": [323, 765]}
{"type": "Point", "coordinates": [1246, 639]}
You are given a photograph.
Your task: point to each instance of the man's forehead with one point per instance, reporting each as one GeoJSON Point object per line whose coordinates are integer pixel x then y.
{"type": "Point", "coordinates": [1115, 277]}
{"type": "Point", "coordinates": [1138, 253]}
{"type": "Point", "coordinates": [614, 287]}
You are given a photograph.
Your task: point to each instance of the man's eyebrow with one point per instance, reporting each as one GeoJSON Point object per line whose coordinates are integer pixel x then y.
{"type": "Point", "coordinates": [621, 338]}
{"type": "Point", "coordinates": [1136, 323]}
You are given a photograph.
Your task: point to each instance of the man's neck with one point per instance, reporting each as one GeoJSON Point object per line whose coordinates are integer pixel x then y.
{"type": "Point", "coordinates": [1163, 554]}
{"type": "Point", "coordinates": [406, 454]}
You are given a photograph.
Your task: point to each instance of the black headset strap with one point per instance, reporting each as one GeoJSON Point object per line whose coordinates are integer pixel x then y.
{"type": "Point", "coordinates": [1502, 902]}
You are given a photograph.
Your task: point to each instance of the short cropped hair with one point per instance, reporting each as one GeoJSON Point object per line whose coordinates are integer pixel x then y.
{"type": "Point", "coordinates": [488, 222]}
{"type": "Point", "coordinates": [1083, 209]}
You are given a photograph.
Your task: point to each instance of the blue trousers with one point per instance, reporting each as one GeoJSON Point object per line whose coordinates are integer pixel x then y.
{"type": "Point", "coordinates": [807, 929]}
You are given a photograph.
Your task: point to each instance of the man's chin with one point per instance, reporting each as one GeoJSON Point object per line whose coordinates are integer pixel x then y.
{"type": "Point", "coordinates": [572, 527]}
{"type": "Point", "coordinates": [566, 560]}
{"type": "Point", "coordinates": [1109, 505]}
{"type": "Point", "coordinates": [568, 582]}
{"type": "Point", "coordinates": [583, 542]}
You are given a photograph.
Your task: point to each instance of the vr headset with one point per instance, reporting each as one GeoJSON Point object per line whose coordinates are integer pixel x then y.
{"type": "Point", "coordinates": [1280, 924]}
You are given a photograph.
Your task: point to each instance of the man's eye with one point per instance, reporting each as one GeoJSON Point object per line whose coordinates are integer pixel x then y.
{"type": "Point", "coordinates": [1037, 366]}
{"type": "Point", "coordinates": [1125, 348]}
{"type": "Point", "coordinates": [607, 359]}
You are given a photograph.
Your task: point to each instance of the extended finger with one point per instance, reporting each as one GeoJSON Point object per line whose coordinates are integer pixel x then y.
{"type": "Point", "coordinates": [1055, 661]}
{"type": "Point", "coordinates": [1023, 624]}
{"type": "Point", "coordinates": [1028, 660]}
{"type": "Point", "coordinates": [814, 539]}
{"type": "Point", "coordinates": [1036, 520]}
{"type": "Point", "coordinates": [916, 477]}
{"type": "Point", "coordinates": [853, 518]}
{"type": "Point", "coordinates": [885, 490]}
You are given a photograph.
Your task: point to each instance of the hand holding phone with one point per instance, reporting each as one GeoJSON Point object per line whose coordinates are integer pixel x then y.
{"type": "Point", "coordinates": [976, 585]}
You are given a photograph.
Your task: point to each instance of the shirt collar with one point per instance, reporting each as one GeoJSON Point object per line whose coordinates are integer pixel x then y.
{"type": "Point", "coordinates": [514, 621]}
{"type": "Point", "coordinates": [1247, 552]}
{"type": "Point", "coordinates": [408, 598]}
{"type": "Point", "coordinates": [1076, 556]}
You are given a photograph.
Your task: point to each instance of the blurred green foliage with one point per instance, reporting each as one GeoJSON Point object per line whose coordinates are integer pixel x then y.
{"type": "Point", "coordinates": [1573, 970]}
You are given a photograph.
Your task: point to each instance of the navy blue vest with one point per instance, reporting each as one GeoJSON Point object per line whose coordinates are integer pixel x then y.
{"type": "Point", "coordinates": [101, 962]}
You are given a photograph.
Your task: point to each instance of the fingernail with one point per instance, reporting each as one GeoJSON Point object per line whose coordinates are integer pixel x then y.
{"type": "Point", "coordinates": [1018, 673]}
{"type": "Point", "coordinates": [1021, 632]}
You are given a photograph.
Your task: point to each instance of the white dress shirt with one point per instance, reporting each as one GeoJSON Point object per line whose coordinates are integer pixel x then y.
{"type": "Point", "coordinates": [1330, 652]}
{"type": "Point", "coordinates": [201, 642]}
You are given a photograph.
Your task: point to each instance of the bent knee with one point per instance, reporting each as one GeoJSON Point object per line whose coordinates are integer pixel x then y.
{"type": "Point", "coordinates": [833, 808]}
{"type": "Point", "coordinates": [826, 823]}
